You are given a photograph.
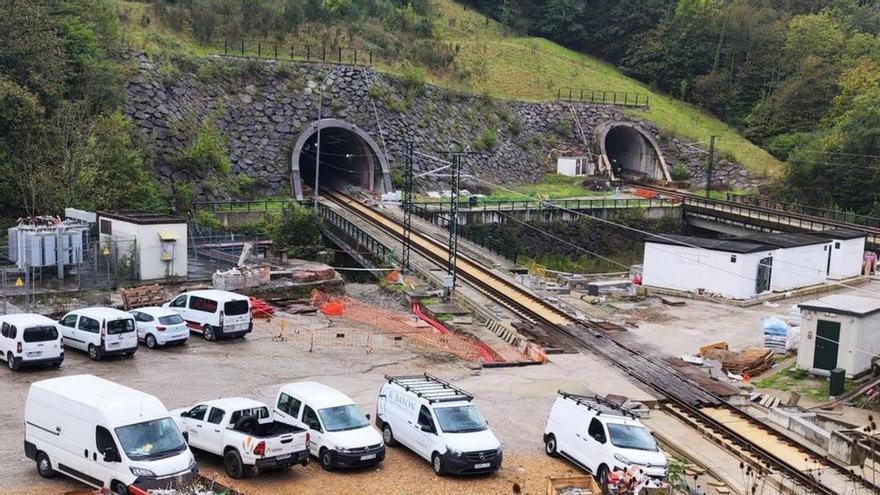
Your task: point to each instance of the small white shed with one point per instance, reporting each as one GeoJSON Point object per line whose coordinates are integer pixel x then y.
{"type": "Point", "coordinates": [158, 243]}
{"type": "Point", "coordinates": [721, 267]}
{"type": "Point", "coordinates": [800, 261]}
{"type": "Point", "coordinates": [839, 331]}
{"type": "Point", "coordinates": [574, 166]}
{"type": "Point", "coordinates": [847, 252]}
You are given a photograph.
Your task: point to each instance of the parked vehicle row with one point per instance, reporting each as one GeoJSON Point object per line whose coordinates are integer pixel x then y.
{"type": "Point", "coordinates": [31, 339]}
{"type": "Point", "coordinates": [108, 435]}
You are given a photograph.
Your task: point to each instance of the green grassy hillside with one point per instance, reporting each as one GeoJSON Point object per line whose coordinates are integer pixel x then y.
{"type": "Point", "coordinates": [491, 61]}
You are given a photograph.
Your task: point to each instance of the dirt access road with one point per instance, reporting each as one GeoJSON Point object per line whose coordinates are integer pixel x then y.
{"type": "Point", "coordinates": [515, 401]}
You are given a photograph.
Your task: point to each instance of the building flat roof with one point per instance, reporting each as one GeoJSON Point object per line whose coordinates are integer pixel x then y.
{"type": "Point", "coordinates": [726, 245]}
{"type": "Point", "coordinates": [844, 304]}
{"type": "Point", "coordinates": [784, 240]}
{"type": "Point", "coordinates": [842, 234]}
{"type": "Point", "coordinates": [141, 217]}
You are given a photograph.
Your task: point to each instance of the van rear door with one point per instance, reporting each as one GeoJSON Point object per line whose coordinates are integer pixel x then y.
{"type": "Point", "coordinates": [119, 334]}
{"type": "Point", "coordinates": [236, 315]}
{"type": "Point", "coordinates": [40, 342]}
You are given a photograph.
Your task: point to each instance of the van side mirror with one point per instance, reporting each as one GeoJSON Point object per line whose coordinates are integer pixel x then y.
{"type": "Point", "coordinates": [184, 414]}
{"type": "Point", "coordinates": [368, 416]}
{"type": "Point", "coordinates": [111, 455]}
{"type": "Point", "coordinates": [427, 429]}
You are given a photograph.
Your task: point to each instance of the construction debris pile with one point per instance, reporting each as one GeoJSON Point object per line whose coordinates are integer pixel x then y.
{"type": "Point", "coordinates": [737, 365]}
{"type": "Point", "coordinates": [242, 277]}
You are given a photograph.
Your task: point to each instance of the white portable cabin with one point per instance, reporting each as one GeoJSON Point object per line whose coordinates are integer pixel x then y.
{"type": "Point", "coordinates": [801, 260]}
{"type": "Point", "coordinates": [712, 266]}
{"type": "Point", "coordinates": [157, 242]}
{"type": "Point", "coordinates": [847, 252]}
{"type": "Point", "coordinates": [839, 331]}
{"type": "Point", "coordinates": [575, 166]}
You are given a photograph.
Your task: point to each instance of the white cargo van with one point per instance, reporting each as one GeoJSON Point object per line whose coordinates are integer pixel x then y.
{"type": "Point", "coordinates": [29, 339]}
{"type": "Point", "coordinates": [439, 422]}
{"type": "Point", "coordinates": [601, 437]}
{"type": "Point", "coordinates": [214, 313]}
{"type": "Point", "coordinates": [101, 433]}
{"type": "Point", "coordinates": [341, 434]}
{"type": "Point", "coordinates": [99, 331]}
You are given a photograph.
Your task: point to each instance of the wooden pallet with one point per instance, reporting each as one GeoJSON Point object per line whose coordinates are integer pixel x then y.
{"type": "Point", "coordinates": [143, 296]}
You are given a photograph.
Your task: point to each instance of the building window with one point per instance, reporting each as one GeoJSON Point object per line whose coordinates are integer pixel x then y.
{"type": "Point", "coordinates": [106, 227]}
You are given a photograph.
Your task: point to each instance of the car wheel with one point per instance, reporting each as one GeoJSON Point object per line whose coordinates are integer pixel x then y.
{"type": "Point", "coordinates": [208, 333]}
{"type": "Point", "coordinates": [388, 436]}
{"type": "Point", "coordinates": [56, 364]}
{"type": "Point", "coordinates": [603, 476]}
{"type": "Point", "coordinates": [150, 340]}
{"type": "Point", "coordinates": [550, 445]}
{"type": "Point", "coordinates": [119, 488]}
{"type": "Point", "coordinates": [12, 362]}
{"type": "Point", "coordinates": [232, 463]}
{"type": "Point", "coordinates": [326, 460]}
{"type": "Point", "coordinates": [437, 464]}
{"type": "Point", "coordinates": [44, 466]}
{"type": "Point", "coordinates": [94, 353]}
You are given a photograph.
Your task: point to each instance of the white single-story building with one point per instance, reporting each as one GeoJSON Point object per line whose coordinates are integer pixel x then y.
{"type": "Point", "coordinates": [839, 331]}
{"type": "Point", "coordinates": [847, 252]}
{"type": "Point", "coordinates": [721, 267]}
{"type": "Point", "coordinates": [801, 260]}
{"type": "Point", "coordinates": [575, 166]}
{"type": "Point", "coordinates": [156, 243]}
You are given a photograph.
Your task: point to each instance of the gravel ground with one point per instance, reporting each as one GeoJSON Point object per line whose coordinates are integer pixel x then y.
{"type": "Point", "coordinates": [515, 401]}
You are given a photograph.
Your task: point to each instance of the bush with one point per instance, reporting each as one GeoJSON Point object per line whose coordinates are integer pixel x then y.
{"type": "Point", "coordinates": [207, 220]}
{"type": "Point", "coordinates": [413, 78]}
{"type": "Point", "coordinates": [564, 125]}
{"type": "Point", "coordinates": [206, 153]}
{"type": "Point", "coordinates": [680, 172]}
{"type": "Point", "coordinates": [297, 231]}
{"type": "Point", "coordinates": [487, 141]}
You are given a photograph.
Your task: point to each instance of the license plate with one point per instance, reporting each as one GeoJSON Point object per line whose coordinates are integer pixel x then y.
{"type": "Point", "coordinates": [482, 466]}
{"type": "Point", "coordinates": [368, 457]}
{"type": "Point", "coordinates": [114, 344]}
{"type": "Point", "coordinates": [285, 456]}
{"type": "Point", "coordinates": [33, 354]}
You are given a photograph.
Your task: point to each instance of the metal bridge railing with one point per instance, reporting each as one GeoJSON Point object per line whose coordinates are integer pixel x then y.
{"type": "Point", "coordinates": [241, 206]}
{"type": "Point", "coordinates": [831, 214]}
{"type": "Point", "coordinates": [362, 240]}
{"type": "Point", "coordinates": [571, 204]}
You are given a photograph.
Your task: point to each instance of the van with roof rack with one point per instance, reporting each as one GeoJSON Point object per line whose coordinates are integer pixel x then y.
{"type": "Point", "coordinates": [601, 437]}
{"type": "Point", "coordinates": [439, 422]}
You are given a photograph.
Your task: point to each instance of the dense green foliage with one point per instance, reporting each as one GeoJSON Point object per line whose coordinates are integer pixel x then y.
{"type": "Point", "coordinates": [799, 77]}
{"type": "Point", "coordinates": [63, 139]}
{"type": "Point", "coordinates": [297, 231]}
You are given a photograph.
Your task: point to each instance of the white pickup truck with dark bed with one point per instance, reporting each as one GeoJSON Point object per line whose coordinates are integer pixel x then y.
{"type": "Point", "coordinates": [244, 433]}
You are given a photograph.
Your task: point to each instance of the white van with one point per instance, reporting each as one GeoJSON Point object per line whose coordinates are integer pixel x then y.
{"type": "Point", "coordinates": [341, 434]}
{"type": "Point", "coordinates": [101, 433]}
{"type": "Point", "coordinates": [99, 331]}
{"type": "Point", "coordinates": [601, 437]}
{"type": "Point", "coordinates": [29, 339]}
{"type": "Point", "coordinates": [214, 313]}
{"type": "Point", "coordinates": [439, 422]}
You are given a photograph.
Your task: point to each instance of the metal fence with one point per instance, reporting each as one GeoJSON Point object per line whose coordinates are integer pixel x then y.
{"type": "Point", "coordinates": [621, 98]}
{"type": "Point", "coordinates": [257, 205]}
{"type": "Point", "coordinates": [297, 51]}
{"type": "Point", "coordinates": [570, 204]}
{"type": "Point", "coordinates": [836, 215]}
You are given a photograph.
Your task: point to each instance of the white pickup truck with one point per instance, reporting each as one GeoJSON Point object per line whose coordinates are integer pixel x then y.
{"type": "Point", "coordinates": [244, 433]}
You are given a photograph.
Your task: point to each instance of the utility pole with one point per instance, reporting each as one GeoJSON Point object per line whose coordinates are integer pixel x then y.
{"type": "Point", "coordinates": [453, 217]}
{"type": "Point", "coordinates": [711, 166]}
{"type": "Point", "coordinates": [407, 206]}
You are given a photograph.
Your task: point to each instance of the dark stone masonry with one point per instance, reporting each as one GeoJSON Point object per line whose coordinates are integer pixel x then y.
{"type": "Point", "coordinates": [261, 107]}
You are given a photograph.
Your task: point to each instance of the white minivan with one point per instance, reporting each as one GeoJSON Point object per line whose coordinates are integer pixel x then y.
{"type": "Point", "coordinates": [99, 331]}
{"type": "Point", "coordinates": [439, 422]}
{"type": "Point", "coordinates": [214, 313]}
{"type": "Point", "coordinates": [28, 339]}
{"type": "Point", "coordinates": [341, 434]}
{"type": "Point", "coordinates": [601, 437]}
{"type": "Point", "coordinates": [101, 433]}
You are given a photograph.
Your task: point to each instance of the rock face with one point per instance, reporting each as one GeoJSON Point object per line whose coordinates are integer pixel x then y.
{"type": "Point", "coordinates": [261, 107]}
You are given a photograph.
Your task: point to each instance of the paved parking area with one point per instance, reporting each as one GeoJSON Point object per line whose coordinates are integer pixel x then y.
{"type": "Point", "coordinates": [515, 401]}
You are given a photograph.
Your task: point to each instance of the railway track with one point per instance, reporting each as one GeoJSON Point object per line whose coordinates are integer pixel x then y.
{"type": "Point", "coordinates": [783, 218]}
{"type": "Point", "coordinates": [757, 444]}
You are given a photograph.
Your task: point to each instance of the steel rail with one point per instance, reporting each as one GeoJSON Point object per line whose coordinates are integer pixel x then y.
{"type": "Point", "coordinates": [522, 302]}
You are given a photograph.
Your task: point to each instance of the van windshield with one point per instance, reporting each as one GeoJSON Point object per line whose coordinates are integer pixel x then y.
{"type": "Point", "coordinates": [151, 440]}
{"type": "Point", "coordinates": [460, 419]}
{"type": "Point", "coordinates": [171, 320]}
{"type": "Point", "coordinates": [40, 334]}
{"type": "Point", "coordinates": [343, 418]}
{"type": "Point", "coordinates": [233, 308]}
{"type": "Point", "coordinates": [631, 437]}
{"type": "Point", "coordinates": [120, 326]}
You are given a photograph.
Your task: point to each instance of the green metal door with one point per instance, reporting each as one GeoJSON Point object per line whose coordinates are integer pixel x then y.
{"type": "Point", "coordinates": [827, 338]}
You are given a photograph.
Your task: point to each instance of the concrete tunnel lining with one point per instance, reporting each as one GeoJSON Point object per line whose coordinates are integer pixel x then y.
{"type": "Point", "coordinates": [374, 173]}
{"type": "Point", "coordinates": [633, 148]}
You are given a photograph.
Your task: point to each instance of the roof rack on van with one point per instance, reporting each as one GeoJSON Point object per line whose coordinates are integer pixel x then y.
{"type": "Point", "coordinates": [430, 388]}
{"type": "Point", "coordinates": [598, 404]}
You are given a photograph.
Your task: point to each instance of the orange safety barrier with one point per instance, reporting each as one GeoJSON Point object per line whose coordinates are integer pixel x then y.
{"type": "Point", "coordinates": [645, 193]}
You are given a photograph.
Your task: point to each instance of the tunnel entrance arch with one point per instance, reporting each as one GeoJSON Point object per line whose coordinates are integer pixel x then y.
{"type": "Point", "coordinates": [349, 157]}
{"type": "Point", "coordinates": [628, 151]}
